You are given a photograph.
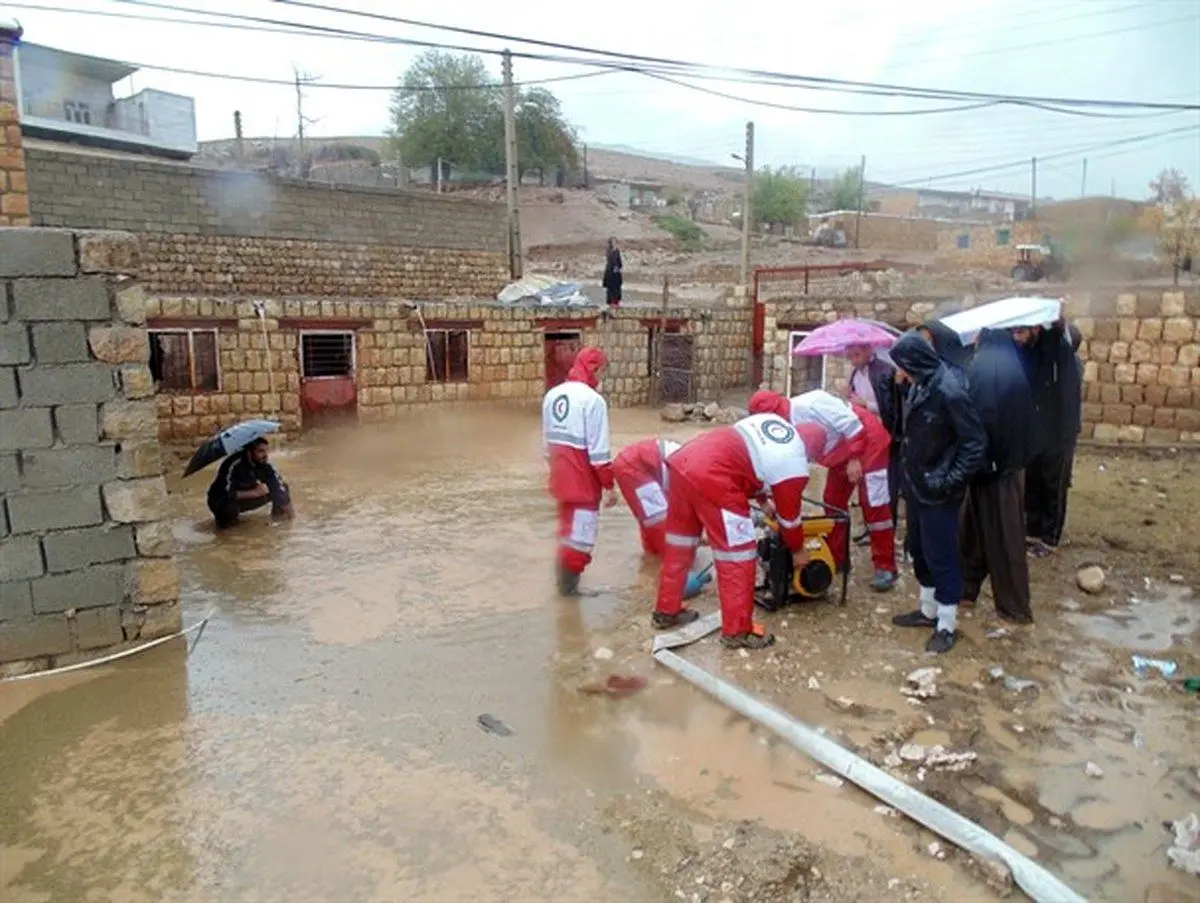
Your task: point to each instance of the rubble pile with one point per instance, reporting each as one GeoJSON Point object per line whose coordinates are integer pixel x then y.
{"type": "Point", "coordinates": [701, 413]}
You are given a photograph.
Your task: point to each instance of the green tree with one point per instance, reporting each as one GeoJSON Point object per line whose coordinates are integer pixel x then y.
{"type": "Point", "coordinates": [544, 138]}
{"type": "Point", "coordinates": [449, 106]}
{"type": "Point", "coordinates": [845, 192]}
{"type": "Point", "coordinates": [780, 196]}
{"type": "Point", "coordinates": [446, 106]}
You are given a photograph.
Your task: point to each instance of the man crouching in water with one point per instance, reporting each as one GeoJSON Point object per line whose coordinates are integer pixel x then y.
{"type": "Point", "coordinates": [246, 482]}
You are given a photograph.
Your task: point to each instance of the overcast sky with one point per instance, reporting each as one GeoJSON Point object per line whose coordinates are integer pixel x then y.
{"type": "Point", "coordinates": [1108, 49]}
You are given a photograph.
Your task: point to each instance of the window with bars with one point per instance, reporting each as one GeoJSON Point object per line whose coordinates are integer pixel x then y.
{"type": "Point", "coordinates": [185, 360]}
{"type": "Point", "coordinates": [326, 354]}
{"type": "Point", "coordinates": [447, 351]}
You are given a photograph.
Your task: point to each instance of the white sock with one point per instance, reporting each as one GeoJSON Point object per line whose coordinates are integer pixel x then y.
{"type": "Point", "coordinates": [947, 618]}
{"type": "Point", "coordinates": [929, 606]}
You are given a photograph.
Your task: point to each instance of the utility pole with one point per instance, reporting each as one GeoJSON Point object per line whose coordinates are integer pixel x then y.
{"type": "Point", "coordinates": [515, 267]}
{"type": "Point", "coordinates": [1033, 188]}
{"type": "Point", "coordinates": [747, 214]}
{"type": "Point", "coordinates": [862, 187]}
{"type": "Point", "coordinates": [239, 146]}
{"type": "Point", "coordinates": [301, 119]}
{"type": "Point", "coordinates": [1083, 184]}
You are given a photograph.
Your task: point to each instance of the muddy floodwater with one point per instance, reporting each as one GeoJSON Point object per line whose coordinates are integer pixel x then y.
{"type": "Point", "coordinates": [321, 742]}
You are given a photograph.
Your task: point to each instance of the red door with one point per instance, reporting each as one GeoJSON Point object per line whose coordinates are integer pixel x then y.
{"type": "Point", "coordinates": [328, 388]}
{"type": "Point", "coordinates": [561, 348]}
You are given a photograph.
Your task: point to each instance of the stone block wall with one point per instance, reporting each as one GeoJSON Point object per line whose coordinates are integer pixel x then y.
{"type": "Point", "coordinates": [1141, 354]}
{"type": "Point", "coordinates": [885, 231]}
{"type": "Point", "coordinates": [85, 546]}
{"type": "Point", "coordinates": [506, 355]}
{"type": "Point", "coordinates": [206, 231]}
{"type": "Point", "coordinates": [984, 249]}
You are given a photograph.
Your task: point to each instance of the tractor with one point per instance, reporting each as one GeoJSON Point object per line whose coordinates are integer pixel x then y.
{"type": "Point", "coordinates": [1037, 262]}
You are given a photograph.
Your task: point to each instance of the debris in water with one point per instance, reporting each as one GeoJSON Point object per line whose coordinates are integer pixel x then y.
{"type": "Point", "coordinates": [912, 752]}
{"type": "Point", "coordinates": [814, 684]}
{"type": "Point", "coordinates": [1018, 684]}
{"type": "Point", "coordinates": [603, 654]}
{"type": "Point", "coordinates": [1090, 578]}
{"type": "Point", "coordinates": [1165, 667]}
{"type": "Point", "coordinates": [1175, 578]}
{"type": "Point", "coordinates": [998, 633]}
{"type": "Point", "coordinates": [891, 760]}
{"type": "Point", "coordinates": [729, 844]}
{"type": "Point", "coordinates": [830, 780]}
{"type": "Point", "coordinates": [1092, 770]}
{"type": "Point", "coordinates": [887, 811]}
{"type": "Point", "coordinates": [494, 725]}
{"type": "Point", "coordinates": [845, 703]}
{"type": "Point", "coordinates": [1185, 852]}
{"type": "Point", "coordinates": [936, 850]}
{"type": "Point", "coordinates": [949, 761]}
{"type": "Point", "coordinates": [617, 686]}
{"type": "Point", "coordinates": [920, 684]}
{"type": "Point", "coordinates": [636, 854]}
{"type": "Point", "coordinates": [996, 672]}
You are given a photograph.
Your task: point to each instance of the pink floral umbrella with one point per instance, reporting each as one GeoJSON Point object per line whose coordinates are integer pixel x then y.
{"type": "Point", "coordinates": [836, 337]}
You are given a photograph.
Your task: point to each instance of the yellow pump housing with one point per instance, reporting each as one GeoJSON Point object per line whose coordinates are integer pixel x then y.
{"type": "Point", "coordinates": [816, 577]}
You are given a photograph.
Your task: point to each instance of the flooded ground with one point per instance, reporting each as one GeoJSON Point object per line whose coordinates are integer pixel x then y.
{"type": "Point", "coordinates": [321, 741]}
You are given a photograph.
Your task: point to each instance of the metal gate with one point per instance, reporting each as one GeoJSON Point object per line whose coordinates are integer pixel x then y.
{"type": "Point", "coordinates": [675, 383]}
{"type": "Point", "coordinates": [804, 373]}
{"type": "Point", "coordinates": [328, 389]}
{"type": "Point", "coordinates": [561, 348]}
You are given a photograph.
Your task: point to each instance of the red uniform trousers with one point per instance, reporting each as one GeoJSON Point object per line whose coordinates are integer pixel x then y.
{"type": "Point", "coordinates": [577, 528]}
{"type": "Point", "coordinates": [644, 496]}
{"type": "Point", "coordinates": [690, 513]}
{"type": "Point", "coordinates": [875, 501]}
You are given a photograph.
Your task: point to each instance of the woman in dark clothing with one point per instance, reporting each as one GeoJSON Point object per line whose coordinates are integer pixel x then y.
{"type": "Point", "coordinates": [612, 274]}
{"type": "Point", "coordinates": [942, 450]}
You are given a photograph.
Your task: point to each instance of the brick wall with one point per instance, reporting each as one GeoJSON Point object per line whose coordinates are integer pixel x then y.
{"type": "Point", "coordinates": [14, 197]}
{"type": "Point", "coordinates": [220, 232]}
{"type": "Point", "coordinates": [506, 355]}
{"type": "Point", "coordinates": [1142, 366]}
{"type": "Point", "coordinates": [85, 548]}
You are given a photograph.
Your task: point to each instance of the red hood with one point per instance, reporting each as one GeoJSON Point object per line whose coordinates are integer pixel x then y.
{"type": "Point", "coordinates": [587, 363]}
{"type": "Point", "coordinates": [765, 401]}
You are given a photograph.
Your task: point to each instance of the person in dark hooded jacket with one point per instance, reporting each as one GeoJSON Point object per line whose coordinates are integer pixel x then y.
{"type": "Point", "coordinates": [1059, 387]}
{"type": "Point", "coordinates": [993, 527]}
{"type": "Point", "coordinates": [942, 450]}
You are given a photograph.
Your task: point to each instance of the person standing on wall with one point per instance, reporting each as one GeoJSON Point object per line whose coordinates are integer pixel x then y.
{"type": "Point", "coordinates": [1058, 385]}
{"type": "Point", "coordinates": [942, 450]}
{"type": "Point", "coordinates": [575, 439]}
{"type": "Point", "coordinates": [612, 274]}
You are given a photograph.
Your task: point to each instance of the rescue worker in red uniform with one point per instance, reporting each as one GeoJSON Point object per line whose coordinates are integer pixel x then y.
{"type": "Point", "coordinates": [710, 483]}
{"type": "Point", "coordinates": [575, 439]}
{"type": "Point", "coordinates": [640, 471]}
{"type": "Point", "coordinates": [855, 447]}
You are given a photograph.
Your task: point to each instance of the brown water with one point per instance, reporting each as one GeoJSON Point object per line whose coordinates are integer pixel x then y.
{"type": "Point", "coordinates": [320, 743]}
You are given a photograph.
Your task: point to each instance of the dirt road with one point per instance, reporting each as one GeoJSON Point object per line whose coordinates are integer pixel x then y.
{"type": "Point", "coordinates": [321, 741]}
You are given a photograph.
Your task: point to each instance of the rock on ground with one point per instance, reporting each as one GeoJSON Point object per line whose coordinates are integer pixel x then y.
{"type": "Point", "coordinates": [1090, 578]}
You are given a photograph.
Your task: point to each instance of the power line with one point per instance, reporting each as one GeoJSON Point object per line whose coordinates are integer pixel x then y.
{"type": "Point", "coordinates": [642, 59]}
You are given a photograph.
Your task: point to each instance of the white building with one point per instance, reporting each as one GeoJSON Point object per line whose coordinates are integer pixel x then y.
{"type": "Point", "coordinates": [65, 96]}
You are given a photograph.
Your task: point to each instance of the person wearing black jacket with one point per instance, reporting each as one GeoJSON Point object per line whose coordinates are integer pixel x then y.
{"type": "Point", "coordinates": [246, 481]}
{"type": "Point", "coordinates": [1059, 388]}
{"type": "Point", "coordinates": [613, 275]}
{"type": "Point", "coordinates": [993, 528]}
{"type": "Point", "coordinates": [942, 450]}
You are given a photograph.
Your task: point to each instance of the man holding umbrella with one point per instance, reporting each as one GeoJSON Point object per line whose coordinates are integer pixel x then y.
{"type": "Point", "coordinates": [246, 480]}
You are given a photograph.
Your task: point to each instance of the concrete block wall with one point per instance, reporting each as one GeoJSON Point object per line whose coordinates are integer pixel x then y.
{"type": "Point", "coordinates": [85, 546]}
{"type": "Point", "coordinates": [207, 231]}
{"type": "Point", "coordinates": [506, 357]}
{"type": "Point", "coordinates": [14, 192]}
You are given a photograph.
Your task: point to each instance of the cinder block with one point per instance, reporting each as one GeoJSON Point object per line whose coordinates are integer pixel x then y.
{"type": "Point", "coordinates": [14, 344]}
{"type": "Point", "coordinates": [97, 628]}
{"type": "Point", "coordinates": [77, 424]}
{"type": "Point", "coordinates": [36, 512]}
{"type": "Point", "coordinates": [85, 298]}
{"type": "Point", "coordinates": [20, 558]}
{"type": "Point", "coordinates": [67, 384]}
{"type": "Point", "coordinates": [83, 465]}
{"type": "Point", "coordinates": [36, 252]}
{"type": "Point", "coordinates": [16, 600]}
{"type": "Point", "coordinates": [8, 388]}
{"type": "Point", "coordinates": [103, 584]}
{"type": "Point", "coordinates": [10, 473]}
{"type": "Point", "coordinates": [24, 638]}
{"type": "Point", "coordinates": [60, 343]}
{"type": "Point", "coordinates": [22, 428]}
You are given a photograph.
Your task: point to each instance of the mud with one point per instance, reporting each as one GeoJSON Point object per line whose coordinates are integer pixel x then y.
{"type": "Point", "coordinates": [321, 742]}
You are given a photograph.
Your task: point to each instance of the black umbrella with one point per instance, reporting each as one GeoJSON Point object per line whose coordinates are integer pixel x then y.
{"type": "Point", "coordinates": [228, 442]}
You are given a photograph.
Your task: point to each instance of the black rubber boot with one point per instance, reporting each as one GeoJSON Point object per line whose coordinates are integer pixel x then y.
{"type": "Point", "coordinates": [568, 583]}
{"type": "Point", "coordinates": [666, 622]}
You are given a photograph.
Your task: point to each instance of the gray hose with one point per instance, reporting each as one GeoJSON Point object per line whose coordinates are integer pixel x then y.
{"type": "Point", "coordinates": [1042, 886]}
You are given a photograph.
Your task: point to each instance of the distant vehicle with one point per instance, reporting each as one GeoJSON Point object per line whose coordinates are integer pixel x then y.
{"type": "Point", "coordinates": [1037, 262]}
